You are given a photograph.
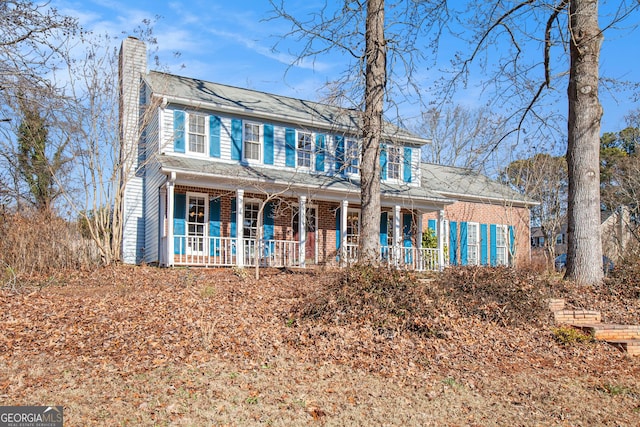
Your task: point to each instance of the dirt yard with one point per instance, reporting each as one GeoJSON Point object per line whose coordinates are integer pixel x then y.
{"type": "Point", "coordinates": [141, 346]}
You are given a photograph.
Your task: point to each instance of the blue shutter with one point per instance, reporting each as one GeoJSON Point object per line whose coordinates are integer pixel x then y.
{"type": "Point", "coordinates": [268, 144]}
{"type": "Point", "coordinates": [453, 243]}
{"type": "Point", "coordinates": [236, 139]}
{"type": "Point", "coordinates": [384, 234]}
{"type": "Point", "coordinates": [214, 136]}
{"type": "Point", "coordinates": [179, 223]}
{"type": "Point", "coordinates": [178, 131]}
{"type": "Point", "coordinates": [407, 220]}
{"type": "Point", "coordinates": [232, 220]}
{"type": "Point", "coordinates": [483, 244]}
{"type": "Point", "coordinates": [320, 148]}
{"type": "Point", "coordinates": [214, 226]}
{"type": "Point", "coordinates": [406, 229]}
{"type": "Point", "coordinates": [464, 249]}
{"type": "Point", "coordinates": [493, 249]}
{"type": "Point", "coordinates": [407, 164]}
{"type": "Point", "coordinates": [383, 162]}
{"type": "Point", "coordinates": [512, 242]}
{"type": "Point", "coordinates": [432, 225]}
{"type": "Point", "coordinates": [267, 220]}
{"type": "Point", "coordinates": [339, 153]}
{"type": "Point", "coordinates": [290, 148]}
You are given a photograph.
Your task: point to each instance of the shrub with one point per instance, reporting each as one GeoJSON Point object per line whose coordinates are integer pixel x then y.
{"type": "Point", "coordinates": [568, 336]}
{"type": "Point", "coordinates": [389, 300]}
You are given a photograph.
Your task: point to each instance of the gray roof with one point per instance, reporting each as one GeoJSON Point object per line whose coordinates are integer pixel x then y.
{"type": "Point", "coordinates": [269, 106]}
{"type": "Point", "coordinates": [465, 184]}
{"type": "Point", "coordinates": [277, 178]}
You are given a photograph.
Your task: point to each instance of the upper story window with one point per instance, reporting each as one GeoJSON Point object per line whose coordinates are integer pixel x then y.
{"type": "Point", "coordinates": [196, 134]}
{"type": "Point", "coordinates": [304, 149]}
{"type": "Point", "coordinates": [353, 157]}
{"type": "Point", "coordinates": [252, 141]}
{"type": "Point", "coordinates": [394, 162]}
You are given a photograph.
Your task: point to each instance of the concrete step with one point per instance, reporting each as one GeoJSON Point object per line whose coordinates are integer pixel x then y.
{"type": "Point", "coordinates": [577, 317]}
{"type": "Point", "coordinates": [610, 332]}
{"type": "Point", "coordinates": [631, 347]}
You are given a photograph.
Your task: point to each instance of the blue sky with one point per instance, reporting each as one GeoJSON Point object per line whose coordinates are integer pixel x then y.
{"type": "Point", "coordinates": [230, 42]}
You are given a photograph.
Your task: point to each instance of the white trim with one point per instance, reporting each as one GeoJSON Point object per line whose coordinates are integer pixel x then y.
{"type": "Point", "coordinates": [187, 150]}
{"type": "Point", "coordinates": [205, 223]}
{"type": "Point", "coordinates": [259, 143]}
{"type": "Point", "coordinates": [312, 140]}
{"type": "Point", "coordinates": [476, 244]}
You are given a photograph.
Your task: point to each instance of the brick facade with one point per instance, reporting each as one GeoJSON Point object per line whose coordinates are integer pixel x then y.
{"type": "Point", "coordinates": [492, 213]}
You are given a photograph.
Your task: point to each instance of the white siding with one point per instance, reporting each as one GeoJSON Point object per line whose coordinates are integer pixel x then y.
{"type": "Point", "coordinates": [153, 180]}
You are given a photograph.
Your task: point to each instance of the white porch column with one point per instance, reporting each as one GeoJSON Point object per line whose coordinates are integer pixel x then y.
{"type": "Point", "coordinates": [302, 229]}
{"type": "Point", "coordinates": [343, 232]}
{"type": "Point", "coordinates": [419, 258]}
{"type": "Point", "coordinates": [397, 244]}
{"type": "Point", "coordinates": [170, 215]}
{"type": "Point", "coordinates": [240, 228]}
{"type": "Point", "coordinates": [441, 239]}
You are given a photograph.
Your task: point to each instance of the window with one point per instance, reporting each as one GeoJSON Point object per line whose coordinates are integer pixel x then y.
{"type": "Point", "coordinates": [501, 245]}
{"type": "Point", "coordinates": [390, 229]}
{"type": "Point", "coordinates": [304, 149]}
{"type": "Point", "coordinates": [252, 141]}
{"type": "Point", "coordinates": [394, 162]}
{"type": "Point", "coordinates": [197, 134]}
{"type": "Point", "coordinates": [473, 243]}
{"type": "Point", "coordinates": [353, 227]}
{"type": "Point", "coordinates": [353, 157]}
{"type": "Point", "coordinates": [559, 239]}
{"type": "Point", "coordinates": [251, 219]}
{"type": "Point", "coordinates": [196, 224]}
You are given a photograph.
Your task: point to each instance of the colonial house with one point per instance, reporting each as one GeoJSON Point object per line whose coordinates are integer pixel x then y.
{"type": "Point", "coordinates": [215, 175]}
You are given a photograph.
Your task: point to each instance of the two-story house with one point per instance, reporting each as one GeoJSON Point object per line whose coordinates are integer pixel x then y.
{"type": "Point", "coordinates": [216, 175]}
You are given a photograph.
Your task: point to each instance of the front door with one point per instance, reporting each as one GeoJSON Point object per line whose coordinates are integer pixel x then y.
{"type": "Point", "coordinates": [196, 225]}
{"type": "Point", "coordinates": [310, 246]}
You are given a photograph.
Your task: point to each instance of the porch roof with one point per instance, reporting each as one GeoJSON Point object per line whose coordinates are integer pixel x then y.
{"type": "Point", "coordinates": [466, 184]}
{"type": "Point", "coordinates": [229, 176]}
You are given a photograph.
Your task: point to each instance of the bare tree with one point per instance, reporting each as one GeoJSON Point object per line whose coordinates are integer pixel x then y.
{"type": "Point", "coordinates": [384, 51]}
{"type": "Point", "coordinates": [571, 25]}
{"type": "Point", "coordinates": [460, 136]}
{"type": "Point", "coordinates": [31, 48]}
{"type": "Point", "coordinates": [544, 179]}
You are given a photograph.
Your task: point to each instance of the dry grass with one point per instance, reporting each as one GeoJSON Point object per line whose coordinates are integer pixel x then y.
{"type": "Point", "coordinates": [144, 347]}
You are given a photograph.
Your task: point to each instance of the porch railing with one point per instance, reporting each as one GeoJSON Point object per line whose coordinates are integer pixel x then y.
{"type": "Point", "coordinates": [410, 258]}
{"type": "Point", "coordinates": [223, 252]}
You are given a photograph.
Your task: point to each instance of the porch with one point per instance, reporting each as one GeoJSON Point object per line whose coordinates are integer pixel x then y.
{"type": "Point", "coordinates": [223, 252]}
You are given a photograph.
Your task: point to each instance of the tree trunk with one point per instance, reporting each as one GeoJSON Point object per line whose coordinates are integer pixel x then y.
{"type": "Point", "coordinates": [584, 252]}
{"type": "Point", "coordinates": [375, 57]}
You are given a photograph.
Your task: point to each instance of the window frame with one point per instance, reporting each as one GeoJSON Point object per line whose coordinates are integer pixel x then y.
{"type": "Point", "coordinates": [351, 162]}
{"type": "Point", "coordinates": [204, 223]}
{"type": "Point", "coordinates": [257, 143]}
{"type": "Point", "coordinates": [502, 230]}
{"type": "Point", "coordinates": [188, 133]}
{"type": "Point", "coordinates": [247, 203]}
{"type": "Point", "coordinates": [309, 151]}
{"type": "Point", "coordinates": [473, 244]}
{"type": "Point", "coordinates": [394, 166]}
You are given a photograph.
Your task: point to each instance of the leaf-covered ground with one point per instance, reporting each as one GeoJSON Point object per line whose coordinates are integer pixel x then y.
{"type": "Point", "coordinates": [142, 346]}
